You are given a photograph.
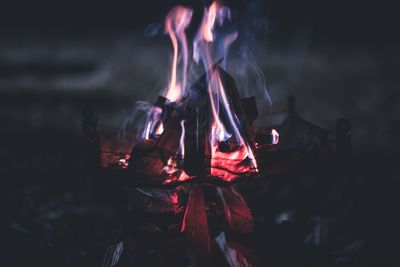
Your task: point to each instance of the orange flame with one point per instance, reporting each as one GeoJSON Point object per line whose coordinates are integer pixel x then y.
{"type": "Point", "coordinates": [205, 32]}
{"type": "Point", "coordinates": [176, 22]}
{"type": "Point", "coordinates": [207, 26]}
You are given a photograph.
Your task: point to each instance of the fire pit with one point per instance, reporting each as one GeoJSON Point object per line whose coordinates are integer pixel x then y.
{"type": "Point", "coordinates": [198, 141]}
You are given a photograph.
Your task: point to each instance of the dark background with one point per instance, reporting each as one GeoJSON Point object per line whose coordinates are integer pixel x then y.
{"type": "Point", "coordinates": [339, 58]}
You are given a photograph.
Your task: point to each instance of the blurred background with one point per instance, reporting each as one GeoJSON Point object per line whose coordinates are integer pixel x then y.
{"type": "Point", "coordinates": [338, 58]}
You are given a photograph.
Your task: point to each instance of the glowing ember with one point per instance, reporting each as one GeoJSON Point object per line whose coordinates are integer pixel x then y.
{"type": "Point", "coordinates": [124, 162]}
{"type": "Point", "coordinates": [171, 166]}
{"type": "Point", "coordinates": [229, 165]}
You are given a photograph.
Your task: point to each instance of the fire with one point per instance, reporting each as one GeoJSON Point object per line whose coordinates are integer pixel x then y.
{"type": "Point", "coordinates": [235, 124]}
{"type": "Point", "coordinates": [214, 13]}
{"type": "Point", "coordinates": [275, 137]}
{"type": "Point", "coordinates": [153, 121]}
{"type": "Point", "coordinates": [182, 140]}
{"type": "Point", "coordinates": [172, 168]}
{"type": "Point", "coordinates": [160, 128]}
{"type": "Point", "coordinates": [218, 129]}
{"type": "Point", "coordinates": [217, 95]}
{"type": "Point", "coordinates": [207, 26]}
{"type": "Point", "coordinates": [147, 131]}
{"type": "Point", "coordinates": [229, 139]}
{"type": "Point", "coordinates": [177, 20]}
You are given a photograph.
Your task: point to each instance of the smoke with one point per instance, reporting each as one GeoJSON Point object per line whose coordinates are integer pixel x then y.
{"type": "Point", "coordinates": [252, 28]}
{"type": "Point", "coordinates": [140, 116]}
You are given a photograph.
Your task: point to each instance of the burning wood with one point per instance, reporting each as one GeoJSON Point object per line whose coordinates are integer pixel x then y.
{"type": "Point", "coordinates": [188, 135]}
{"type": "Point", "coordinates": [203, 133]}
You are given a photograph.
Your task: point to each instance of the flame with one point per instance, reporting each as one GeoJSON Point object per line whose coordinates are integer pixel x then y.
{"type": "Point", "coordinates": [235, 124]}
{"type": "Point", "coordinates": [177, 20]}
{"type": "Point", "coordinates": [218, 130]}
{"type": "Point", "coordinates": [275, 137]}
{"type": "Point", "coordinates": [227, 164]}
{"type": "Point", "coordinates": [207, 26]}
{"type": "Point", "coordinates": [205, 33]}
{"type": "Point", "coordinates": [147, 130]}
{"type": "Point", "coordinates": [153, 121]}
{"type": "Point", "coordinates": [160, 128]}
{"type": "Point", "coordinates": [182, 140]}
{"type": "Point", "coordinates": [245, 149]}
{"type": "Point", "coordinates": [172, 165]}
{"type": "Point", "coordinates": [230, 165]}
{"type": "Point", "coordinates": [202, 49]}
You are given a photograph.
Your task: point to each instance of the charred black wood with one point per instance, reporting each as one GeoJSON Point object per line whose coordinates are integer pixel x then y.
{"type": "Point", "coordinates": [250, 108]}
